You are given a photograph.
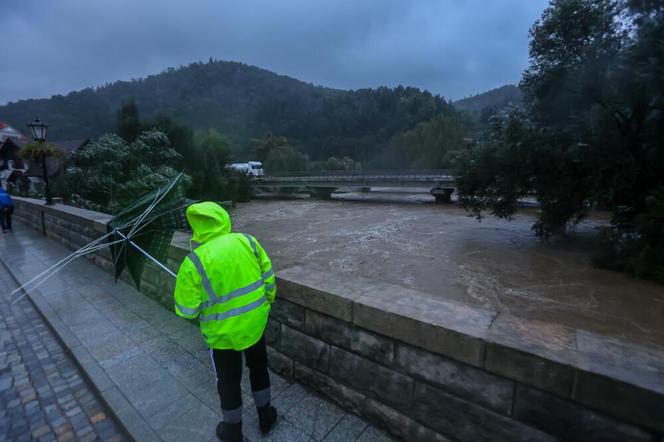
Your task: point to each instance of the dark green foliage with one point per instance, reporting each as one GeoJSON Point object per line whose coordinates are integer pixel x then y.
{"type": "Point", "coordinates": [203, 157]}
{"type": "Point", "coordinates": [211, 180]}
{"type": "Point", "coordinates": [593, 133]}
{"type": "Point", "coordinates": [267, 144]}
{"type": "Point", "coordinates": [277, 155]}
{"type": "Point", "coordinates": [430, 145]}
{"type": "Point", "coordinates": [334, 164]}
{"type": "Point", "coordinates": [182, 140]}
{"type": "Point", "coordinates": [243, 102]}
{"type": "Point", "coordinates": [482, 107]}
{"type": "Point", "coordinates": [34, 150]}
{"type": "Point", "coordinates": [129, 123]}
{"type": "Point", "coordinates": [109, 174]}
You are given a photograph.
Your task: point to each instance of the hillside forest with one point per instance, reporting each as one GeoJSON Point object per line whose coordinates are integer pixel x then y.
{"type": "Point", "coordinates": [245, 104]}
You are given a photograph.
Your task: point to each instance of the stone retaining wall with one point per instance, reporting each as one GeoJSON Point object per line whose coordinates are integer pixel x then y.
{"type": "Point", "coordinates": [428, 369]}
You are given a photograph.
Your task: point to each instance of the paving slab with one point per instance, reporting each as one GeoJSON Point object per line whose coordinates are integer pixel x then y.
{"type": "Point", "coordinates": [149, 367]}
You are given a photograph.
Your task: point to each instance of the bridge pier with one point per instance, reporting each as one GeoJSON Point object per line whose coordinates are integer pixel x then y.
{"type": "Point", "coordinates": [442, 194]}
{"type": "Point", "coordinates": [321, 192]}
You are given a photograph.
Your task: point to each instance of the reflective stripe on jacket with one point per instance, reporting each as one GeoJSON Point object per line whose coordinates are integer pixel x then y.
{"type": "Point", "coordinates": [227, 281]}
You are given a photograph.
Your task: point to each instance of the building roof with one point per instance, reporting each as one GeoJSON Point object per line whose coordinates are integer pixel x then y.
{"type": "Point", "coordinates": [10, 146]}
{"type": "Point", "coordinates": [7, 131]}
{"type": "Point", "coordinates": [54, 165]}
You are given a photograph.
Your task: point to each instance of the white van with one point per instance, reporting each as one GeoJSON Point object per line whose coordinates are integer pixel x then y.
{"type": "Point", "coordinates": [253, 168]}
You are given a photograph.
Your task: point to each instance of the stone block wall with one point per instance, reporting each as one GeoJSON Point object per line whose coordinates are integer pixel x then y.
{"type": "Point", "coordinates": [433, 381]}
{"type": "Point", "coordinates": [428, 369]}
{"type": "Point", "coordinates": [70, 226]}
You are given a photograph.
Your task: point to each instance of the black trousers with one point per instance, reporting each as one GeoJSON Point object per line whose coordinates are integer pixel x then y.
{"type": "Point", "coordinates": [6, 218]}
{"type": "Point", "coordinates": [228, 366]}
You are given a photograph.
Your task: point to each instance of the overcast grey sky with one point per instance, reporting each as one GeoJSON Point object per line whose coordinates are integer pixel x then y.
{"type": "Point", "coordinates": [451, 47]}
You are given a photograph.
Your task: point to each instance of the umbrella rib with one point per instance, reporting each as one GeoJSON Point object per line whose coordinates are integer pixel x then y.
{"type": "Point", "coordinates": [54, 269]}
{"type": "Point", "coordinates": [154, 204]}
{"type": "Point", "coordinates": [94, 245]}
{"type": "Point", "coordinates": [147, 255]}
{"type": "Point", "coordinates": [159, 215]}
{"type": "Point", "coordinates": [73, 254]}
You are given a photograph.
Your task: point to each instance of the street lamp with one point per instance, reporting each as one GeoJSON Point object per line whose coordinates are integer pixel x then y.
{"type": "Point", "coordinates": [39, 131]}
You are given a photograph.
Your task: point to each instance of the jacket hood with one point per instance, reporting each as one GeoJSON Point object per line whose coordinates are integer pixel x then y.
{"type": "Point", "coordinates": [208, 220]}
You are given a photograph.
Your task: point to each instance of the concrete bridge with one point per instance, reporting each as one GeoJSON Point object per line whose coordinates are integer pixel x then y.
{"type": "Point", "coordinates": [321, 184]}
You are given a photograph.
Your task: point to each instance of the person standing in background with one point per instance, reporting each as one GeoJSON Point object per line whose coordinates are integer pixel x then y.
{"type": "Point", "coordinates": [6, 211]}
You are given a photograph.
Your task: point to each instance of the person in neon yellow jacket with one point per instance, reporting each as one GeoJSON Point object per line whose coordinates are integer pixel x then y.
{"type": "Point", "coordinates": [227, 282]}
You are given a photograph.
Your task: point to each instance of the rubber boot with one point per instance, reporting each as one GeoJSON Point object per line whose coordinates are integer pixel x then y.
{"type": "Point", "coordinates": [267, 416]}
{"type": "Point", "coordinates": [229, 432]}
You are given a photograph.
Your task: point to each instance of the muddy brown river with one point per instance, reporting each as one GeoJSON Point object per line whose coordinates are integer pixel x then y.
{"type": "Point", "coordinates": [438, 249]}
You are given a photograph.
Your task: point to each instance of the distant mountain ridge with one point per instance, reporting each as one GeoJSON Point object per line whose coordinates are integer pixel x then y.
{"type": "Point", "coordinates": [494, 99]}
{"type": "Point", "coordinates": [242, 102]}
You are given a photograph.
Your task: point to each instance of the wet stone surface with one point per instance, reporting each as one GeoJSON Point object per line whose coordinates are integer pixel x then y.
{"type": "Point", "coordinates": [43, 395]}
{"type": "Point", "coordinates": [153, 363]}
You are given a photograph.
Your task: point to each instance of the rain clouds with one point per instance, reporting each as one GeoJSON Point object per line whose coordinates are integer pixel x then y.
{"type": "Point", "coordinates": [451, 47]}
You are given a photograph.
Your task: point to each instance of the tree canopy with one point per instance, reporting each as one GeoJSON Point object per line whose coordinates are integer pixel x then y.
{"type": "Point", "coordinates": [109, 174]}
{"type": "Point", "coordinates": [590, 134]}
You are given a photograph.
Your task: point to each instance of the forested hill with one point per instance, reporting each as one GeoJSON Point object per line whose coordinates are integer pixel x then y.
{"type": "Point", "coordinates": [495, 99]}
{"type": "Point", "coordinates": [242, 102]}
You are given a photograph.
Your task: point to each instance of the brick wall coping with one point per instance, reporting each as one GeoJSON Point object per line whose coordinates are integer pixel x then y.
{"type": "Point", "coordinates": [88, 218]}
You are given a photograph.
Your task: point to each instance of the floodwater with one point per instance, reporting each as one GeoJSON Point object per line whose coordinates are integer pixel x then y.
{"type": "Point", "coordinates": [406, 239]}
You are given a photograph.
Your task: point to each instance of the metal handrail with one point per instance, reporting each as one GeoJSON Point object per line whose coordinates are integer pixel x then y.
{"type": "Point", "coordinates": [362, 173]}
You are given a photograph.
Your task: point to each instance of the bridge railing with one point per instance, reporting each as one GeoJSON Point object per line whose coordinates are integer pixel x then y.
{"type": "Point", "coordinates": [362, 173]}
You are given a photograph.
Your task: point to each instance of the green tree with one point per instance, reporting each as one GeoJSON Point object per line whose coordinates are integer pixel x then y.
{"type": "Point", "coordinates": [211, 180]}
{"type": "Point", "coordinates": [215, 148]}
{"type": "Point", "coordinates": [430, 145]}
{"type": "Point", "coordinates": [128, 122]}
{"type": "Point", "coordinates": [334, 164]}
{"type": "Point", "coordinates": [268, 144]}
{"type": "Point", "coordinates": [285, 159]}
{"type": "Point", "coordinates": [516, 159]}
{"type": "Point", "coordinates": [182, 140]}
{"type": "Point", "coordinates": [277, 155]}
{"type": "Point", "coordinates": [592, 135]}
{"type": "Point", "coordinates": [109, 173]}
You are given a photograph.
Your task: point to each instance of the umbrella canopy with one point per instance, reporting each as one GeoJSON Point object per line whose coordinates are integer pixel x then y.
{"type": "Point", "coordinates": [148, 225]}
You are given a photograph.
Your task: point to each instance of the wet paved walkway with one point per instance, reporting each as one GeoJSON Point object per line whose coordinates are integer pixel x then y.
{"type": "Point", "coordinates": [43, 395]}
{"type": "Point", "coordinates": [151, 367]}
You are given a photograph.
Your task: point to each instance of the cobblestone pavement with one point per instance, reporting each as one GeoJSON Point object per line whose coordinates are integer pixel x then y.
{"type": "Point", "coordinates": [150, 366]}
{"type": "Point", "coordinates": [43, 395]}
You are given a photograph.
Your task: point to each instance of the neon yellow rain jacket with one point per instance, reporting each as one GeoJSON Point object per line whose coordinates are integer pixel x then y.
{"type": "Point", "coordinates": [227, 281]}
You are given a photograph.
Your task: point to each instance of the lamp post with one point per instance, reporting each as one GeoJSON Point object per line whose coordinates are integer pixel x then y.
{"type": "Point", "coordinates": [39, 131]}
